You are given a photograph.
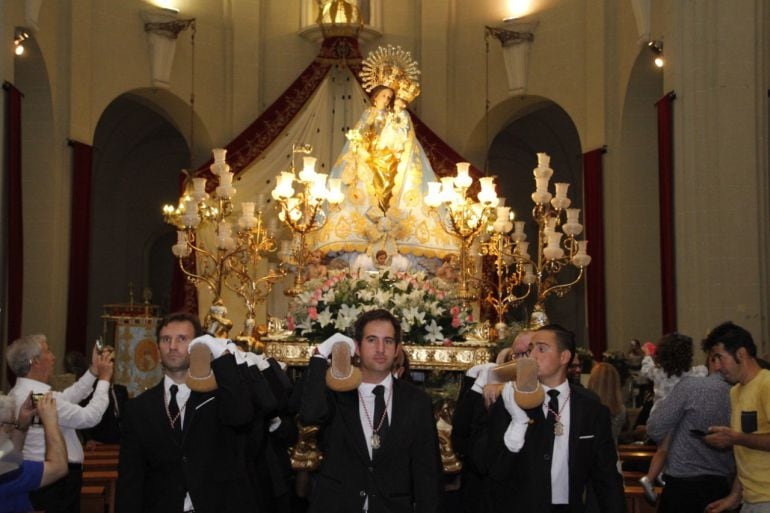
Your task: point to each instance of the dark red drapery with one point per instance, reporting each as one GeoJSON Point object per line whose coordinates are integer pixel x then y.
{"type": "Point", "coordinates": [15, 244]}
{"type": "Point", "coordinates": [184, 294]}
{"type": "Point", "coordinates": [666, 191]}
{"type": "Point", "coordinates": [594, 233]}
{"type": "Point", "coordinates": [80, 239]}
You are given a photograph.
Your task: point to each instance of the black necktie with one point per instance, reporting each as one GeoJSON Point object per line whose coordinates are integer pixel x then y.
{"type": "Point", "coordinates": [553, 406]}
{"type": "Point", "coordinates": [380, 414]}
{"type": "Point", "coordinates": [173, 411]}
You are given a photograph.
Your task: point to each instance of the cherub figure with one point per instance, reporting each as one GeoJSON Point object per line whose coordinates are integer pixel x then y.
{"type": "Point", "coordinates": [315, 269]}
{"type": "Point", "coordinates": [448, 270]}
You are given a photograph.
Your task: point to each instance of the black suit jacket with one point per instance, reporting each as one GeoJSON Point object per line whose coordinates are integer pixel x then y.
{"type": "Point", "coordinates": [107, 431]}
{"type": "Point", "coordinates": [405, 475]}
{"type": "Point", "coordinates": [156, 468]}
{"type": "Point", "coordinates": [522, 481]}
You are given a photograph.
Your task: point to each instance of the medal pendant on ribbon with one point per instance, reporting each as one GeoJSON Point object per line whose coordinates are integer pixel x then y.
{"type": "Point", "coordinates": [558, 429]}
{"type": "Point", "coordinates": [375, 441]}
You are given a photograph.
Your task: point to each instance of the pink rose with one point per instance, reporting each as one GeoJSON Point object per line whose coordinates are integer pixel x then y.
{"type": "Point", "coordinates": [455, 310]}
{"type": "Point", "coordinates": [447, 342]}
{"type": "Point", "coordinates": [469, 318]}
{"type": "Point", "coordinates": [312, 313]}
{"type": "Point", "coordinates": [456, 322]}
{"type": "Point", "coordinates": [290, 323]}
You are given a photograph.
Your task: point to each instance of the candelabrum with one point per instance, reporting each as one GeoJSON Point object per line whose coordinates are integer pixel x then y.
{"type": "Point", "coordinates": [464, 218]}
{"type": "Point", "coordinates": [234, 260]}
{"type": "Point", "coordinates": [302, 210]}
{"type": "Point", "coordinates": [517, 271]}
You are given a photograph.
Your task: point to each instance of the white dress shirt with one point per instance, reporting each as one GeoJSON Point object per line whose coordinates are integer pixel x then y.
{"type": "Point", "coordinates": [72, 416]}
{"type": "Point", "coordinates": [560, 456]}
{"type": "Point", "coordinates": [182, 395]}
{"type": "Point", "coordinates": [366, 397]}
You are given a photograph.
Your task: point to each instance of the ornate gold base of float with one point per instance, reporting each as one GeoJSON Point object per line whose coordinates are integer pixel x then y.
{"type": "Point", "coordinates": [458, 357]}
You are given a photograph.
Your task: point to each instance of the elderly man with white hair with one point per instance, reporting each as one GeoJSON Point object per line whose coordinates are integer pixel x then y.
{"type": "Point", "coordinates": [32, 361]}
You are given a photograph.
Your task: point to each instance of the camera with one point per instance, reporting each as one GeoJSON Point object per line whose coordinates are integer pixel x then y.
{"type": "Point", "coordinates": [36, 398]}
{"type": "Point", "coordinates": [102, 347]}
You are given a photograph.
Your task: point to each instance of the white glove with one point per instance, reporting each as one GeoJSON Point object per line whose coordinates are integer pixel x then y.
{"type": "Point", "coordinates": [514, 435]}
{"type": "Point", "coordinates": [259, 360]}
{"type": "Point", "coordinates": [325, 347]}
{"type": "Point", "coordinates": [217, 346]}
{"type": "Point", "coordinates": [483, 379]}
{"type": "Point", "coordinates": [240, 356]}
{"type": "Point", "coordinates": [474, 371]}
{"type": "Point", "coordinates": [275, 422]}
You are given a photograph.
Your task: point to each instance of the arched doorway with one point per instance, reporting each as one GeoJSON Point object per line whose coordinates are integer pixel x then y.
{"type": "Point", "coordinates": [139, 151]}
{"type": "Point", "coordinates": [540, 126]}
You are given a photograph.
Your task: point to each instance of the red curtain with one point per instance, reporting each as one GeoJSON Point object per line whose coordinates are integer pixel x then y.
{"type": "Point", "coordinates": [666, 191]}
{"type": "Point", "coordinates": [593, 219]}
{"type": "Point", "coordinates": [80, 238]}
{"type": "Point", "coordinates": [15, 243]}
{"type": "Point", "coordinates": [184, 294]}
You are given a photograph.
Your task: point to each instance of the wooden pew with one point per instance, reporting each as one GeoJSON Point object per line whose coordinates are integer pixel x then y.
{"type": "Point", "coordinates": [92, 499]}
{"type": "Point", "coordinates": [100, 464]}
{"type": "Point", "coordinates": [93, 455]}
{"type": "Point", "coordinates": [106, 478]}
{"type": "Point", "coordinates": [636, 502]}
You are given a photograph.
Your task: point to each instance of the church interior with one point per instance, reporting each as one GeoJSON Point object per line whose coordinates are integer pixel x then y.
{"type": "Point", "coordinates": [111, 106]}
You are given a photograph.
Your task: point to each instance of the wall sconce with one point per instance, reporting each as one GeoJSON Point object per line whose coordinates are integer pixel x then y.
{"type": "Point", "coordinates": [516, 39]}
{"type": "Point", "coordinates": [656, 47]}
{"type": "Point", "coordinates": [162, 28]}
{"type": "Point", "coordinates": [18, 41]}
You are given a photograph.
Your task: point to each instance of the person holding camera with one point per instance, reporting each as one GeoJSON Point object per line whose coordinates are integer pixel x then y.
{"type": "Point", "coordinates": [33, 363]}
{"type": "Point", "coordinates": [17, 476]}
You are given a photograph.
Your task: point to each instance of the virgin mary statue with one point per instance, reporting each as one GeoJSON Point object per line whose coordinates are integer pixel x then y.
{"type": "Point", "coordinates": [385, 172]}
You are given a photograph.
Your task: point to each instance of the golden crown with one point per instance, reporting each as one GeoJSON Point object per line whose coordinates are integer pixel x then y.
{"type": "Point", "coordinates": [408, 91]}
{"type": "Point", "coordinates": [389, 66]}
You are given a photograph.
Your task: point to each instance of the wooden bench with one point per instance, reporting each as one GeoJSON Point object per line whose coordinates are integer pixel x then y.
{"type": "Point", "coordinates": [636, 502]}
{"type": "Point", "coordinates": [100, 464]}
{"type": "Point", "coordinates": [92, 499]}
{"type": "Point", "coordinates": [95, 455]}
{"type": "Point", "coordinates": [106, 478]}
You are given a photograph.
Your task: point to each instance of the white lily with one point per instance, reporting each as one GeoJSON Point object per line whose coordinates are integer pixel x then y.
{"type": "Point", "coordinates": [433, 331]}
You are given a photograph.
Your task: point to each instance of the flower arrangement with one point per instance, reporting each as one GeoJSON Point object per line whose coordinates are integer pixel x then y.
{"type": "Point", "coordinates": [333, 303]}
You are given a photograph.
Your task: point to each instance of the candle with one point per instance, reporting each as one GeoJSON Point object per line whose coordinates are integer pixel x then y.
{"type": "Point", "coordinates": [463, 179]}
{"type": "Point", "coordinates": [543, 160]}
{"type": "Point", "coordinates": [199, 185]}
{"type": "Point", "coordinates": [219, 155]}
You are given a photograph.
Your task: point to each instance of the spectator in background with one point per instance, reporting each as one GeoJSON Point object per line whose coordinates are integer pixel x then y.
{"type": "Point", "coordinates": [31, 360]}
{"type": "Point", "coordinates": [696, 474]}
{"type": "Point", "coordinates": [605, 382]}
{"type": "Point", "coordinates": [672, 362]}
{"type": "Point", "coordinates": [575, 370]}
{"type": "Point", "coordinates": [17, 477]}
{"type": "Point", "coordinates": [107, 431]}
{"type": "Point", "coordinates": [749, 431]}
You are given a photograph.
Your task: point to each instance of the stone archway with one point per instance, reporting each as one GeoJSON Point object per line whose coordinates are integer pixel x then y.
{"type": "Point", "coordinates": [140, 147]}
{"type": "Point", "coordinates": [539, 125]}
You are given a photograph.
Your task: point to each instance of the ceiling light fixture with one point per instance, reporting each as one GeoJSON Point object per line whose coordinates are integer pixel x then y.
{"type": "Point", "coordinates": [656, 46]}
{"type": "Point", "coordinates": [18, 41]}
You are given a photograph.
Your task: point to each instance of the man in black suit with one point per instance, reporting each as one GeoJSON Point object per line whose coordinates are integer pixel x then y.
{"type": "Point", "coordinates": [551, 458]}
{"type": "Point", "coordinates": [182, 450]}
{"type": "Point", "coordinates": [379, 442]}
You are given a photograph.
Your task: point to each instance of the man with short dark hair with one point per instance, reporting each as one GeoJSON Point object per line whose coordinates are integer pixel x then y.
{"type": "Point", "coordinates": [182, 450]}
{"type": "Point", "coordinates": [379, 441]}
{"type": "Point", "coordinates": [735, 356]}
{"type": "Point", "coordinates": [547, 459]}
